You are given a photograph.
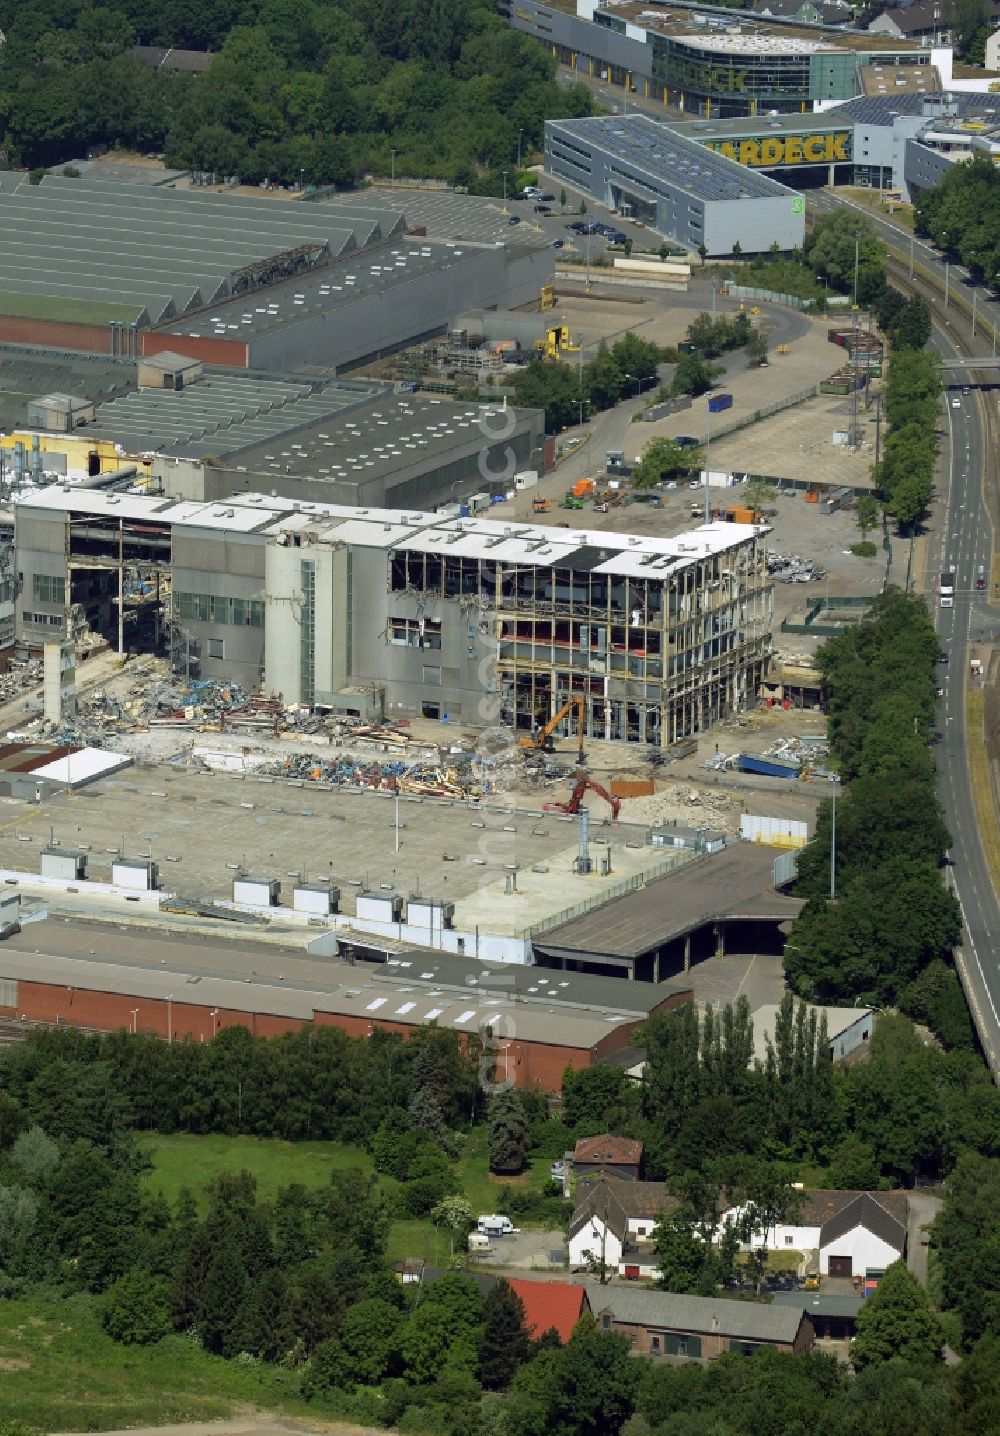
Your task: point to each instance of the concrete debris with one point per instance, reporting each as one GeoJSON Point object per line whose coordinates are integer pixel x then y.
{"type": "Point", "coordinates": [793, 568]}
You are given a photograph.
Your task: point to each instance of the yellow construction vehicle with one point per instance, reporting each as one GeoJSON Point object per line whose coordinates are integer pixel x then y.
{"type": "Point", "coordinates": [540, 740]}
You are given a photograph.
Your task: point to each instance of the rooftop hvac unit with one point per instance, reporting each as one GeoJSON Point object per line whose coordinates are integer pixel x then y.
{"type": "Point", "coordinates": [379, 907]}
{"type": "Point", "coordinates": [431, 913]}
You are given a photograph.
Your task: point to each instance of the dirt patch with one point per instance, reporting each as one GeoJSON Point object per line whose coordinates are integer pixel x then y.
{"type": "Point", "coordinates": [14, 1363]}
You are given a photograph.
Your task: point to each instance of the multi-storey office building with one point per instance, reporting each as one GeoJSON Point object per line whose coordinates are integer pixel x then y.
{"type": "Point", "coordinates": [469, 620]}
{"type": "Point", "coordinates": [710, 61]}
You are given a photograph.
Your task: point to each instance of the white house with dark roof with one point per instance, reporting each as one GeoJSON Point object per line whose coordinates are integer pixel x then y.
{"type": "Point", "coordinates": [851, 1232]}
{"type": "Point", "coordinates": [613, 1222]}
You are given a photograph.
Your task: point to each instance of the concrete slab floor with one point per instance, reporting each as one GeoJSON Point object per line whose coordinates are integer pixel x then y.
{"type": "Point", "coordinates": [200, 827]}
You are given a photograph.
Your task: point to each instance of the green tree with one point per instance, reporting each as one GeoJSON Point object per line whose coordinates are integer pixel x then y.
{"type": "Point", "coordinates": [505, 1345]}
{"type": "Point", "coordinates": [456, 1216]}
{"type": "Point", "coordinates": [135, 1310]}
{"type": "Point", "coordinates": [866, 510]}
{"type": "Point", "coordinates": [702, 254]}
{"type": "Point", "coordinates": [665, 459]}
{"type": "Point", "coordinates": [220, 1298]}
{"type": "Point", "coordinates": [912, 326]}
{"type": "Point", "coordinates": [562, 199]}
{"type": "Point", "coordinates": [508, 1133]}
{"type": "Point", "coordinates": [684, 1259]}
{"type": "Point", "coordinates": [369, 1335]}
{"type": "Point", "coordinates": [692, 376]}
{"type": "Point", "coordinates": [756, 347]}
{"type": "Point", "coordinates": [587, 1388]}
{"type": "Point", "coordinates": [896, 1322]}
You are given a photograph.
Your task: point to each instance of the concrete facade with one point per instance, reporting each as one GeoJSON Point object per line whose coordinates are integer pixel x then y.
{"type": "Point", "coordinates": [454, 619]}
{"type": "Point", "coordinates": [655, 174]}
{"type": "Point", "coordinates": [701, 60]}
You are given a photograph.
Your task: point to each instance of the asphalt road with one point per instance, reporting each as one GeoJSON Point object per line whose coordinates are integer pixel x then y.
{"type": "Point", "coordinates": [963, 545]}
{"type": "Point", "coordinates": [964, 540]}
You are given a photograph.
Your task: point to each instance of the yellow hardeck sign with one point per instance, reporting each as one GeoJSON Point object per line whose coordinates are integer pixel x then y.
{"type": "Point", "coordinates": [833, 147]}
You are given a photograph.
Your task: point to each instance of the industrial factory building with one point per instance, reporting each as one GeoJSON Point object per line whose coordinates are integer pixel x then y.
{"type": "Point", "coordinates": [713, 62]}
{"type": "Point", "coordinates": [190, 991]}
{"type": "Point", "coordinates": [460, 619]}
{"type": "Point", "coordinates": [657, 175]}
{"type": "Point", "coordinates": [115, 269]}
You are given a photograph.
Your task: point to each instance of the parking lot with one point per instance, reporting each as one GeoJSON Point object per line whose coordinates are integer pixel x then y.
{"type": "Point", "coordinates": [526, 1251]}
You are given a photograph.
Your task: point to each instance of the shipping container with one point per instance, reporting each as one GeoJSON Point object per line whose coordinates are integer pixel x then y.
{"type": "Point", "coordinates": [769, 767]}
{"type": "Point", "coordinates": [718, 402]}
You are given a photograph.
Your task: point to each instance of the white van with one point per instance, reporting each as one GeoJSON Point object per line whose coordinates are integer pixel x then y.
{"type": "Point", "coordinates": [496, 1226]}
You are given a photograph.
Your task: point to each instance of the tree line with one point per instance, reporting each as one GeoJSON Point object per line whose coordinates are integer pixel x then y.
{"type": "Point", "coordinates": [888, 935]}
{"type": "Point", "coordinates": [312, 91]}
{"type": "Point", "coordinates": [962, 217]}
{"type": "Point", "coordinates": [568, 391]}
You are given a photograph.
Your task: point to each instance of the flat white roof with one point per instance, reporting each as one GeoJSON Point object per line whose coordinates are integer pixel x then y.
{"type": "Point", "coordinates": [507, 541]}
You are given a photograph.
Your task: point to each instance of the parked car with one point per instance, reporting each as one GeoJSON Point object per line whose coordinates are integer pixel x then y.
{"type": "Point", "coordinates": [545, 198]}
{"type": "Point", "coordinates": [558, 243]}
{"type": "Point", "coordinates": [514, 219]}
{"type": "Point", "coordinates": [577, 226]}
{"type": "Point", "coordinates": [542, 209]}
{"type": "Point", "coordinates": [615, 236]}
{"type": "Point", "coordinates": [686, 441]}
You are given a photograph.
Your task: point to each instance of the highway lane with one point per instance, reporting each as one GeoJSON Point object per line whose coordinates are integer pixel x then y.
{"type": "Point", "coordinates": [962, 544]}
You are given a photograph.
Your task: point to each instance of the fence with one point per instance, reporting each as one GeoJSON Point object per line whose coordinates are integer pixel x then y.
{"type": "Point", "coordinates": [677, 859]}
{"type": "Point", "coordinates": [794, 301]}
{"type": "Point", "coordinates": [719, 431]}
{"type": "Point", "coordinates": [855, 607]}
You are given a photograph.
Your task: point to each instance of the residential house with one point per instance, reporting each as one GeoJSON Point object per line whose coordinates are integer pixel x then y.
{"type": "Point", "coordinates": [697, 1328]}
{"type": "Point", "coordinates": [826, 12]}
{"type": "Point", "coordinates": [618, 1156]}
{"type": "Point", "coordinates": [613, 1222]}
{"type": "Point", "coordinates": [853, 1233]}
{"type": "Point", "coordinates": [926, 22]}
{"type": "Point", "coordinates": [550, 1306]}
{"type": "Point", "coordinates": [993, 51]}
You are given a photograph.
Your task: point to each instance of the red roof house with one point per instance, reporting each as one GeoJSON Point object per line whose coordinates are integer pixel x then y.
{"type": "Point", "coordinates": [621, 1156]}
{"type": "Point", "coordinates": [549, 1304]}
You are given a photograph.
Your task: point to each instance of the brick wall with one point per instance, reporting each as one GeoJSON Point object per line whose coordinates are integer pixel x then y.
{"type": "Point", "coordinates": [233, 353]}
{"type": "Point", "coordinates": [530, 1064]}
{"type": "Point", "coordinates": [713, 1344]}
{"type": "Point", "coordinates": [56, 334]}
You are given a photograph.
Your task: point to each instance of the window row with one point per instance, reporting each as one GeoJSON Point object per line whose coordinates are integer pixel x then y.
{"type": "Point", "coordinates": [211, 608]}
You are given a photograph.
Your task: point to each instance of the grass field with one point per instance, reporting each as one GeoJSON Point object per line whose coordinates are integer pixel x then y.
{"type": "Point", "coordinates": [59, 1371]}
{"type": "Point", "coordinates": [181, 1160]}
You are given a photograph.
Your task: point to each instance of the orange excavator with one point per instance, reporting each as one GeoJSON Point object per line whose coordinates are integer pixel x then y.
{"type": "Point", "coordinates": [583, 783]}
{"type": "Point", "coordinates": [541, 739]}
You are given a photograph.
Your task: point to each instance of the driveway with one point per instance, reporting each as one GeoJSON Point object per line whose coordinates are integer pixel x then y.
{"type": "Point", "coordinates": [531, 1250]}
{"type": "Point", "coordinates": [924, 1207]}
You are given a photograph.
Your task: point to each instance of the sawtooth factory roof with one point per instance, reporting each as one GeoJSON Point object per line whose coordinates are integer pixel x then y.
{"type": "Point", "coordinates": [92, 252]}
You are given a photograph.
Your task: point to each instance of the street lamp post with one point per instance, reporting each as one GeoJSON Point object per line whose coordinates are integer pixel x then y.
{"type": "Point", "coordinates": [519, 134]}
{"type": "Point", "coordinates": [833, 842]}
{"type": "Point", "coordinates": [947, 276]}
{"type": "Point", "coordinates": [215, 1020]}
{"type": "Point", "coordinates": [170, 1017]}
{"type": "Point", "coordinates": [505, 191]}
{"type": "Point", "coordinates": [135, 1020]}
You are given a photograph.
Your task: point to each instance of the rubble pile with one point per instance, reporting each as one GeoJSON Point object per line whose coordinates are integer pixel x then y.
{"type": "Point", "coordinates": [21, 675]}
{"type": "Point", "coordinates": [793, 568]}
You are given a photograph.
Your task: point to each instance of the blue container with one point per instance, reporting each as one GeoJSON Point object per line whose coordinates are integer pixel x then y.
{"type": "Point", "coordinates": [718, 402]}
{"type": "Point", "coordinates": [769, 767]}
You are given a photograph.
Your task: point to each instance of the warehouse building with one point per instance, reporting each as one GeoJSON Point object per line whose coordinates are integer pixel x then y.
{"type": "Point", "coordinates": [191, 990]}
{"type": "Point", "coordinates": [654, 174]}
{"type": "Point", "coordinates": [709, 61]}
{"type": "Point", "coordinates": [866, 142]}
{"type": "Point", "coordinates": [656, 638]}
{"type": "Point", "coordinates": [123, 269]}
